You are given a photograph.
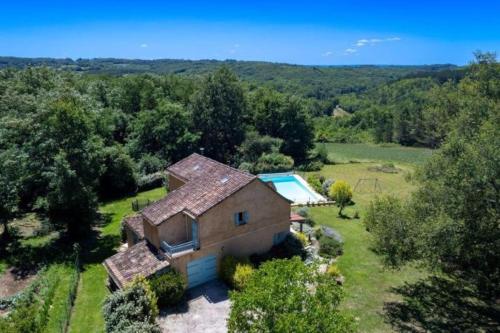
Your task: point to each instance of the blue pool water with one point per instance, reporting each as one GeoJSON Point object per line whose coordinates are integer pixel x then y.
{"type": "Point", "coordinates": [292, 188]}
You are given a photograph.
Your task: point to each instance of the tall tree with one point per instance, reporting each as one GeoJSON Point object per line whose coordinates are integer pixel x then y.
{"type": "Point", "coordinates": [72, 162]}
{"type": "Point", "coordinates": [219, 113]}
{"type": "Point", "coordinates": [10, 181]}
{"type": "Point", "coordinates": [296, 130]}
{"type": "Point", "coordinates": [288, 296]}
{"type": "Point", "coordinates": [165, 132]}
{"type": "Point", "coordinates": [451, 222]}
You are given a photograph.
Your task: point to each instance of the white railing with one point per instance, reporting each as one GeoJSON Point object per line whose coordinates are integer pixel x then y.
{"type": "Point", "coordinates": [172, 249]}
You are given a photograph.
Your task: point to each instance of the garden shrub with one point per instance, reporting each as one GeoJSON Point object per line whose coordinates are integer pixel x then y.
{"type": "Point", "coordinates": [315, 183]}
{"type": "Point", "coordinates": [242, 274]}
{"type": "Point", "coordinates": [131, 306]}
{"type": "Point", "coordinates": [273, 162]}
{"type": "Point", "coordinates": [228, 269]}
{"type": "Point", "coordinates": [303, 211]}
{"type": "Point", "coordinates": [311, 166]}
{"type": "Point", "coordinates": [302, 238]}
{"type": "Point", "coordinates": [168, 287]}
{"type": "Point", "coordinates": [118, 178]}
{"type": "Point", "coordinates": [318, 233]}
{"type": "Point", "coordinates": [330, 247]}
{"type": "Point", "coordinates": [325, 187]}
{"type": "Point", "coordinates": [142, 327]}
{"type": "Point", "coordinates": [333, 271]}
{"type": "Point", "coordinates": [151, 181]}
{"type": "Point", "coordinates": [150, 164]}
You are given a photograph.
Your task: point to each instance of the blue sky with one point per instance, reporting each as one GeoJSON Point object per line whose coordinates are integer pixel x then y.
{"type": "Point", "coordinates": [301, 32]}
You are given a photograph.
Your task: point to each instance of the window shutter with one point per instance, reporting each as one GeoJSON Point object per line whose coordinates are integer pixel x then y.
{"type": "Point", "coordinates": [245, 216]}
{"type": "Point", "coordinates": [236, 222]}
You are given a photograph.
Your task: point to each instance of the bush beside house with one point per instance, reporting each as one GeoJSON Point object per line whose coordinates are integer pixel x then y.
{"type": "Point", "coordinates": [168, 287]}
{"type": "Point", "coordinates": [235, 272]}
{"type": "Point", "coordinates": [133, 309]}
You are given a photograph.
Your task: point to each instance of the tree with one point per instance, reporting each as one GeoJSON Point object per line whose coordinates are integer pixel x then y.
{"type": "Point", "coordinates": [133, 307]}
{"type": "Point", "coordinates": [219, 114]}
{"type": "Point", "coordinates": [256, 145]}
{"type": "Point", "coordinates": [451, 221]}
{"type": "Point", "coordinates": [285, 295]}
{"type": "Point", "coordinates": [9, 189]}
{"type": "Point", "coordinates": [164, 132]}
{"type": "Point", "coordinates": [296, 130]}
{"type": "Point", "coordinates": [71, 165]}
{"type": "Point", "coordinates": [118, 178]}
{"type": "Point", "coordinates": [341, 192]}
{"type": "Point", "coordinates": [267, 107]}
{"type": "Point", "coordinates": [273, 162]}
{"type": "Point", "coordinates": [395, 233]}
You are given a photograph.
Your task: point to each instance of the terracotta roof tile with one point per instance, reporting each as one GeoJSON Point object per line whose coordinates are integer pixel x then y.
{"type": "Point", "coordinates": [294, 217]}
{"type": "Point", "coordinates": [208, 183]}
{"type": "Point", "coordinates": [135, 223]}
{"type": "Point", "coordinates": [141, 258]}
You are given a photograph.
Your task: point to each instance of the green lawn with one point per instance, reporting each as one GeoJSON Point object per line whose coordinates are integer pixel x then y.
{"type": "Point", "coordinates": [343, 153]}
{"type": "Point", "coordinates": [87, 315]}
{"type": "Point", "coordinates": [368, 282]}
{"type": "Point", "coordinates": [60, 305]}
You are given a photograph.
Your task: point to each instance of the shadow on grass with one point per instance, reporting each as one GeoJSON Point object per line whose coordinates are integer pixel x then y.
{"type": "Point", "coordinates": [440, 304]}
{"type": "Point", "coordinates": [26, 259]}
{"type": "Point", "coordinates": [96, 248]}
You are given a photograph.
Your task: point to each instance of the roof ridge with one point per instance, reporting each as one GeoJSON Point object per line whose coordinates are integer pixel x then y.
{"type": "Point", "coordinates": [224, 165]}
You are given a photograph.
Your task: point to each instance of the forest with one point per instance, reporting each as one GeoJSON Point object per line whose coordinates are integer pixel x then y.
{"type": "Point", "coordinates": [111, 134]}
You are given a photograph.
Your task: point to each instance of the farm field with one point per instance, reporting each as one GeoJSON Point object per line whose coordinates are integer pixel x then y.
{"type": "Point", "coordinates": [346, 152]}
{"type": "Point", "coordinates": [368, 282]}
{"type": "Point", "coordinates": [87, 315]}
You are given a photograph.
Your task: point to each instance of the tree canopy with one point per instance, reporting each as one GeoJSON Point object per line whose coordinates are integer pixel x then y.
{"type": "Point", "coordinates": [451, 221]}
{"type": "Point", "coordinates": [285, 295]}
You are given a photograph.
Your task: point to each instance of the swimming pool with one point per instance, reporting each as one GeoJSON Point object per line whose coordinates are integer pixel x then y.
{"type": "Point", "coordinates": [293, 187]}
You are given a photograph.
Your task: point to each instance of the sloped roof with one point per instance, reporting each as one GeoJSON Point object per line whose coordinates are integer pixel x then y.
{"type": "Point", "coordinates": [141, 258]}
{"type": "Point", "coordinates": [208, 182]}
{"type": "Point", "coordinates": [294, 217]}
{"type": "Point", "coordinates": [135, 223]}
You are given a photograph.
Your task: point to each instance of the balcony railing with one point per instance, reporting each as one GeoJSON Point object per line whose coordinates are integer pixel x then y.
{"type": "Point", "coordinates": [172, 249]}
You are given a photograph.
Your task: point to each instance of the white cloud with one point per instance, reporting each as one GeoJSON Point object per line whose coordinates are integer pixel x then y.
{"type": "Point", "coordinates": [350, 51]}
{"type": "Point", "coordinates": [374, 41]}
{"type": "Point", "coordinates": [327, 54]}
{"type": "Point", "coordinates": [144, 45]}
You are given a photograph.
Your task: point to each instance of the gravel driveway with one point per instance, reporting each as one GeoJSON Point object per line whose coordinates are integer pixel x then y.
{"type": "Point", "coordinates": [205, 310]}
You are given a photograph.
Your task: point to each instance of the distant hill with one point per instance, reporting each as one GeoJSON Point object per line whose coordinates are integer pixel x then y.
{"type": "Point", "coordinates": [321, 82]}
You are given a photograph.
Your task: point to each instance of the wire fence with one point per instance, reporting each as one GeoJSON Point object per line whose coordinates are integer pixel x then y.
{"type": "Point", "coordinates": [70, 300]}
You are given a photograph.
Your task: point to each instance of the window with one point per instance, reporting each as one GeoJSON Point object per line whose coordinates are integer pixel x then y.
{"type": "Point", "coordinates": [241, 218]}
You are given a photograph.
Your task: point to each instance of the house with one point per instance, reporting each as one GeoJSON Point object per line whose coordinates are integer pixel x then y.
{"type": "Point", "coordinates": [212, 210]}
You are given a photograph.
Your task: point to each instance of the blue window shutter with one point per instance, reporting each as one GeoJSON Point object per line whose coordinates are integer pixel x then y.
{"type": "Point", "coordinates": [246, 217]}
{"type": "Point", "coordinates": [236, 222]}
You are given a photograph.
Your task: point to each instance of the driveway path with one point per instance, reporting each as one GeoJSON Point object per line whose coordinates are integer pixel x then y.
{"type": "Point", "coordinates": [205, 310]}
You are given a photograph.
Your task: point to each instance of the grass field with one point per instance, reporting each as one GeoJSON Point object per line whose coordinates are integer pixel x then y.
{"type": "Point", "coordinates": [368, 283]}
{"type": "Point", "coordinates": [87, 315]}
{"type": "Point", "coordinates": [60, 306]}
{"type": "Point", "coordinates": [344, 153]}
